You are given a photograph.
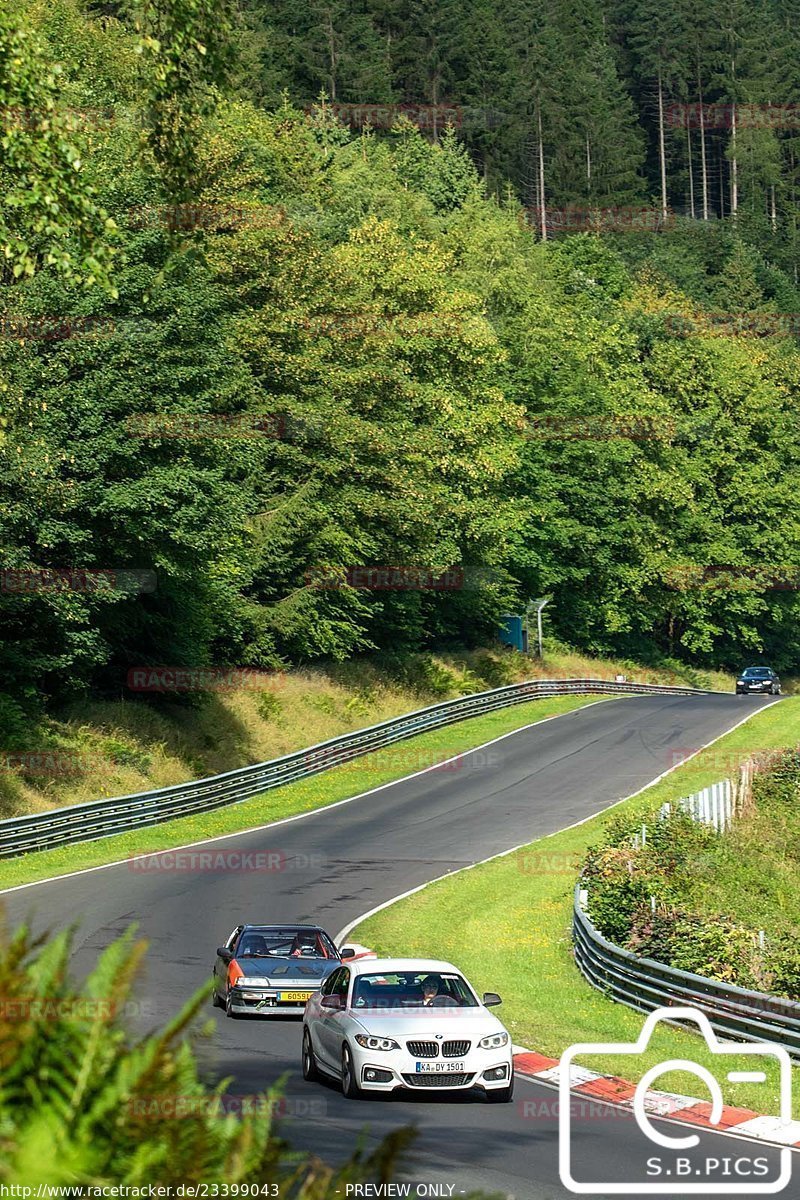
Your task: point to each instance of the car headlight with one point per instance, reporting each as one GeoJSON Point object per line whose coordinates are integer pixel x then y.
{"type": "Point", "coordinates": [376, 1043]}
{"type": "Point", "coordinates": [247, 982]}
{"type": "Point", "coordinates": [494, 1041]}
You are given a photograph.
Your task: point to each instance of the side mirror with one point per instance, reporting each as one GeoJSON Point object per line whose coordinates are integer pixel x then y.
{"type": "Point", "coordinates": [331, 1002]}
{"type": "Point", "coordinates": [224, 953]}
{"type": "Point", "coordinates": [347, 952]}
{"type": "Point", "coordinates": [490, 999]}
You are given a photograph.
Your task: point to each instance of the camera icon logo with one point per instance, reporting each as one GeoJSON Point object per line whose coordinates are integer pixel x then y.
{"type": "Point", "coordinates": [676, 1172]}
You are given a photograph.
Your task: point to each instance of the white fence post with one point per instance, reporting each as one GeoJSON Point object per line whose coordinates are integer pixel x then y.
{"type": "Point", "coordinates": [714, 805]}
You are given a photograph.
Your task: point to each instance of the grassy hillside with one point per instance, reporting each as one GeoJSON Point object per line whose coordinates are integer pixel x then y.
{"type": "Point", "coordinates": [114, 748]}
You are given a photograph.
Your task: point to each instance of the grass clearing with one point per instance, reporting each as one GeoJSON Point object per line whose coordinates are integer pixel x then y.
{"type": "Point", "coordinates": [339, 783]}
{"type": "Point", "coordinates": [507, 924]}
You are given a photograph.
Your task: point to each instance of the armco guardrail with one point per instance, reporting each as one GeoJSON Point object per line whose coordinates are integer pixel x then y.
{"type": "Point", "coordinates": [104, 818]}
{"type": "Point", "coordinates": [644, 984]}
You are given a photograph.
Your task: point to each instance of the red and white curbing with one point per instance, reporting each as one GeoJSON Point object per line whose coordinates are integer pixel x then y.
{"type": "Point", "coordinates": [610, 1089]}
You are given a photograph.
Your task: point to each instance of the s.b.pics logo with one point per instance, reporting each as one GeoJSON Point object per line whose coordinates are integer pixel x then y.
{"type": "Point", "coordinates": [664, 1160]}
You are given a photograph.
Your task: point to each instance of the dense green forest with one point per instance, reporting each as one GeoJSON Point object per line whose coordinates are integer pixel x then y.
{"type": "Point", "coordinates": [694, 108]}
{"type": "Point", "coordinates": [251, 351]}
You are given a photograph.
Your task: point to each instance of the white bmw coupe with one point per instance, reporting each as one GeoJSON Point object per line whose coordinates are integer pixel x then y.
{"type": "Point", "coordinates": [382, 1024]}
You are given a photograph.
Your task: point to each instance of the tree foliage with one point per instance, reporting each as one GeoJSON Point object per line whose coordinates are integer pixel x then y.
{"type": "Point", "coordinates": [331, 349]}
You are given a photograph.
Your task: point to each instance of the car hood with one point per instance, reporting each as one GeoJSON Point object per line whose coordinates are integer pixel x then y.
{"type": "Point", "coordinates": [308, 971]}
{"type": "Point", "coordinates": [425, 1023]}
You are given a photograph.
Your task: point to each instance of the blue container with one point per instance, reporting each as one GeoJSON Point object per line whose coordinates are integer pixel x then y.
{"type": "Point", "coordinates": [511, 633]}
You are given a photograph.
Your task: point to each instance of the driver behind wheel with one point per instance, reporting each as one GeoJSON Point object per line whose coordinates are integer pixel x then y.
{"type": "Point", "coordinates": [430, 990]}
{"type": "Point", "coordinates": [304, 946]}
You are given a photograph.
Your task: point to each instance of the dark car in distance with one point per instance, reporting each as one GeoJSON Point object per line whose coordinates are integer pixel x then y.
{"type": "Point", "coordinates": [271, 970]}
{"type": "Point", "coordinates": [761, 680]}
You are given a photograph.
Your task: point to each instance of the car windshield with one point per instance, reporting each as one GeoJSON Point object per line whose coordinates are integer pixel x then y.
{"type": "Point", "coordinates": [413, 989]}
{"type": "Point", "coordinates": [756, 673]}
{"type": "Point", "coordinates": [283, 943]}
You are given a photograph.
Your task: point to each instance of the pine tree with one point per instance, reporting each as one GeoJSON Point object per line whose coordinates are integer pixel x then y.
{"type": "Point", "coordinates": [534, 86]}
{"type": "Point", "coordinates": [785, 198]}
{"type": "Point", "coordinates": [427, 56]}
{"type": "Point", "coordinates": [695, 89]}
{"type": "Point", "coordinates": [324, 45]}
{"type": "Point", "coordinates": [657, 38]}
{"type": "Point", "coordinates": [737, 287]}
{"type": "Point", "coordinates": [481, 91]}
{"type": "Point", "coordinates": [741, 76]}
{"type": "Point", "coordinates": [607, 123]}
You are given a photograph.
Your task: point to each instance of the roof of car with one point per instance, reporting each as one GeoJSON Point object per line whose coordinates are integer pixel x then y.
{"type": "Point", "coordinates": [378, 966]}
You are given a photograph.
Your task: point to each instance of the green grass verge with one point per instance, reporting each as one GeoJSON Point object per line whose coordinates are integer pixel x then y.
{"type": "Point", "coordinates": [507, 925]}
{"type": "Point", "coordinates": [304, 796]}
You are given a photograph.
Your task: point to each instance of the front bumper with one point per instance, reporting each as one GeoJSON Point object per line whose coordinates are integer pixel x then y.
{"type": "Point", "coordinates": [384, 1072]}
{"type": "Point", "coordinates": [264, 1002]}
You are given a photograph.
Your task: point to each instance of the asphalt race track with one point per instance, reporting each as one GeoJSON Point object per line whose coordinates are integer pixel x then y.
{"type": "Point", "coordinates": [339, 863]}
